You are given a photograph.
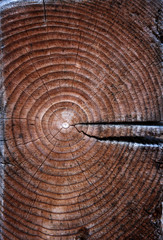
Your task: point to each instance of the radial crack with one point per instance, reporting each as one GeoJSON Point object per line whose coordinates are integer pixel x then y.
{"type": "Point", "coordinates": [142, 123]}
{"type": "Point", "coordinates": [143, 140]}
{"type": "Point", "coordinates": [139, 135]}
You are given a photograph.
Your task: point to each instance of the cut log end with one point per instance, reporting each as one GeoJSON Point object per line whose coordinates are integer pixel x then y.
{"type": "Point", "coordinates": [80, 122]}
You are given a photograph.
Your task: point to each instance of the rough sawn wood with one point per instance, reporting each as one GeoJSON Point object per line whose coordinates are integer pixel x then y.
{"type": "Point", "coordinates": [81, 146]}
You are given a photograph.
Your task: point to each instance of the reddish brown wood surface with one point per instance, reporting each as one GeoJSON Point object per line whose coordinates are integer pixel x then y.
{"type": "Point", "coordinates": [81, 120]}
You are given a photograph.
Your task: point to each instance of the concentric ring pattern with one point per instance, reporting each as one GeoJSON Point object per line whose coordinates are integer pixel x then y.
{"type": "Point", "coordinates": [65, 64]}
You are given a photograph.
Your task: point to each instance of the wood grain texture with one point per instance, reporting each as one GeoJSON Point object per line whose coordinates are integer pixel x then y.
{"type": "Point", "coordinates": [81, 147]}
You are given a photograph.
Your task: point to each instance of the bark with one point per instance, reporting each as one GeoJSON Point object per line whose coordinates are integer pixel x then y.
{"type": "Point", "coordinates": [80, 123]}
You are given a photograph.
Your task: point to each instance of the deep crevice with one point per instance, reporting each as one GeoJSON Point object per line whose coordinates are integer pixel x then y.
{"type": "Point", "coordinates": [131, 139]}
{"type": "Point", "coordinates": [142, 123]}
{"type": "Point", "coordinates": [140, 140]}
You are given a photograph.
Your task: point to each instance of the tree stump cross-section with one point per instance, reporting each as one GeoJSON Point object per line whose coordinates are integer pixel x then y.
{"type": "Point", "coordinates": [81, 120]}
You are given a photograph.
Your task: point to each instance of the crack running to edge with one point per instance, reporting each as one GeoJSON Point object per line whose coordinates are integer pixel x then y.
{"type": "Point", "coordinates": [129, 139]}
{"type": "Point", "coordinates": [145, 123]}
